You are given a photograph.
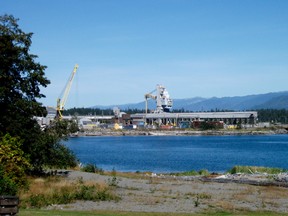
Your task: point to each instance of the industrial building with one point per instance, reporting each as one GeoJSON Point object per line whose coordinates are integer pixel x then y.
{"type": "Point", "coordinates": [247, 118]}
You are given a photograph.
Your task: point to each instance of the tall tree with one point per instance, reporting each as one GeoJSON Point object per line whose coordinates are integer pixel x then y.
{"type": "Point", "coordinates": [21, 78]}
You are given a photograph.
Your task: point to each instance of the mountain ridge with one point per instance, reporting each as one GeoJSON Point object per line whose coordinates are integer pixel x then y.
{"type": "Point", "coordinates": [272, 100]}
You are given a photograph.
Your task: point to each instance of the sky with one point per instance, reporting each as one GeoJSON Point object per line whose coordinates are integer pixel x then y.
{"type": "Point", "coordinates": [124, 48]}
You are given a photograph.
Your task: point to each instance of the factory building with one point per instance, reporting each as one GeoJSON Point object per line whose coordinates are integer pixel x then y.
{"type": "Point", "coordinates": [247, 118]}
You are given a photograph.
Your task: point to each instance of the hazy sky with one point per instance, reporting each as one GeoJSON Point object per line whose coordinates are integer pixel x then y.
{"type": "Point", "coordinates": [124, 48]}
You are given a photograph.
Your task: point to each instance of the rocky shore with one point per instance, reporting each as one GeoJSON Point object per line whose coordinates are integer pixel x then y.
{"type": "Point", "coordinates": [178, 132]}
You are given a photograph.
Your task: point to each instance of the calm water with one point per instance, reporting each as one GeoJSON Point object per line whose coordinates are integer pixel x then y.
{"type": "Point", "coordinates": [181, 153]}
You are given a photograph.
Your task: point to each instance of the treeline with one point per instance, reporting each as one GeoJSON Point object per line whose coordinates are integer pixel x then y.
{"type": "Point", "coordinates": [273, 115]}
{"type": "Point", "coordinates": [98, 111]}
{"type": "Point", "coordinates": [264, 115]}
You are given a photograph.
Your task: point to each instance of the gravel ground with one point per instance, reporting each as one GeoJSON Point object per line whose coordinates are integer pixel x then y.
{"type": "Point", "coordinates": [169, 194]}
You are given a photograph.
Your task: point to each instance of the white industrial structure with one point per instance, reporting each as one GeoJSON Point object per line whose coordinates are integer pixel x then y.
{"type": "Point", "coordinates": [163, 101]}
{"type": "Point", "coordinates": [229, 118]}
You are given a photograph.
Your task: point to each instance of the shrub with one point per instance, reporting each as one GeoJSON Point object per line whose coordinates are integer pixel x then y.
{"type": "Point", "coordinates": [203, 172]}
{"type": "Point", "coordinates": [7, 186]}
{"type": "Point", "coordinates": [37, 200]}
{"type": "Point", "coordinates": [92, 168]}
{"type": "Point", "coordinates": [13, 164]}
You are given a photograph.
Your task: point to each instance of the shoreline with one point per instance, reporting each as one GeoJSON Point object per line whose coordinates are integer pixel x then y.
{"type": "Point", "coordinates": [177, 132]}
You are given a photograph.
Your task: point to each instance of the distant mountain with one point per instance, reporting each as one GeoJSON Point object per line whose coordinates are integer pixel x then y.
{"type": "Point", "coordinates": [276, 100]}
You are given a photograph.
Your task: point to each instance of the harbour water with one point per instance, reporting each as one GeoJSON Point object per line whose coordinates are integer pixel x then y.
{"type": "Point", "coordinates": [162, 154]}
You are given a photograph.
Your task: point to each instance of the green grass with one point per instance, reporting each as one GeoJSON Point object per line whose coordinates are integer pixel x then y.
{"type": "Point", "coordinates": [34, 212]}
{"type": "Point", "coordinates": [192, 173]}
{"type": "Point", "coordinates": [255, 169]}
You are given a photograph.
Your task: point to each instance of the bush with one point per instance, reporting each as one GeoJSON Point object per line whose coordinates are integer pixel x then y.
{"type": "Point", "coordinates": [7, 186]}
{"type": "Point", "coordinates": [203, 172]}
{"type": "Point", "coordinates": [92, 168]}
{"type": "Point", "coordinates": [13, 164]}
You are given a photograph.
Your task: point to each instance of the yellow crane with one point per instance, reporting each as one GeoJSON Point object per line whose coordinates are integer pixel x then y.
{"type": "Point", "coordinates": [61, 100]}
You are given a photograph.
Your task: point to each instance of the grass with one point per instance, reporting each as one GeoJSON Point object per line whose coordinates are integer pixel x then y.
{"type": "Point", "coordinates": [255, 169]}
{"type": "Point", "coordinates": [234, 170]}
{"type": "Point", "coordinates": [192, 173]}
{"type": "Point", "coordinates": [57, 190]}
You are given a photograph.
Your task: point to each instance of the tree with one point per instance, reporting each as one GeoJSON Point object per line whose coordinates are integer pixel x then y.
{"type": "Point", "coordinates": [21, 78]}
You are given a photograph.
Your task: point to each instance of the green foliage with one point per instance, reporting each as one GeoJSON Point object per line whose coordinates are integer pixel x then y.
{"type": "Point", "coordinates": [192, 173]}
{"type": "Point", "coordinates": [273, 115]}
{"type": "Point", "coordinates": [87, 111]}
{"type": "Point", "coordinates": [92, 168]}
{"type": "Point", "coordinates": [47, 150]}
{"type": "Point", "coordinates": [255, 169]}
{"type": "Point", "coordinates": [210, 125]}
{"type": "Point", "coordinates": [21, 79]}
{"type": "Point", "coordinates": [239, 126]}
{"type": "Point", "coordinates": [60, 129]}
{"type": "Point", "coordinates": [13, 162]}
{"type": "Point", "coordinates": [7, 186]}
{"type": "Point", "coordinates": [203, 172]}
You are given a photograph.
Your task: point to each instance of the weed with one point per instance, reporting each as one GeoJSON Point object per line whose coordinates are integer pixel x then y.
{"type": "Point", "coordinates": [114, 180]}
{"type": "Point", "coordinates": [196, 201]}
{"type": "Point", "coordinates": [263, 204]}
{"type": "Point", "coordinates": [204, 196]}
{"type": "Point", "coordinates": [152, 190]}
{"type": "Point", "coordinates": [200, 196]}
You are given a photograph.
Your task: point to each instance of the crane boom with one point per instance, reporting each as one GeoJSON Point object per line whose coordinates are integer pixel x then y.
{"type": "Point", "coordinates": [61, 101]}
